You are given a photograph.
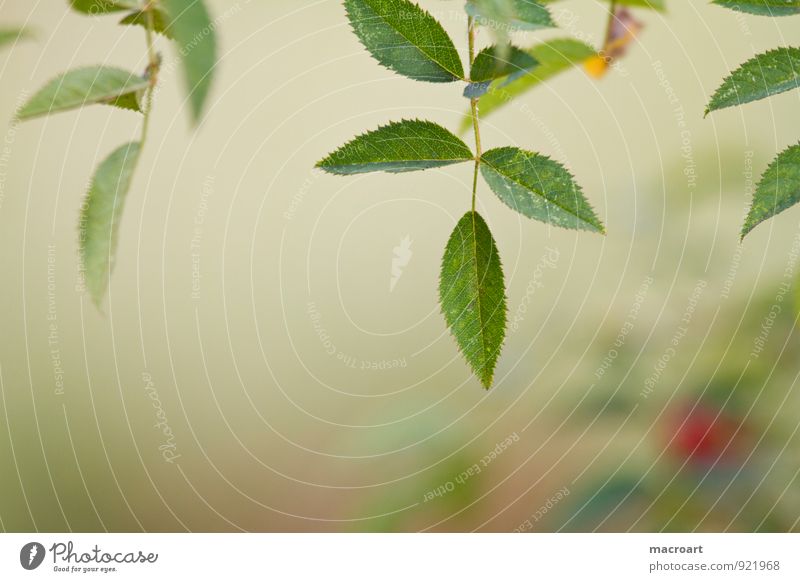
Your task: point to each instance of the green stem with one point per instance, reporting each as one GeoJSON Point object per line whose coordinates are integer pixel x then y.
{"type": "Point", "coordinates": [152, 68]}
{"type": "Point", "coordinates": [474, 108]}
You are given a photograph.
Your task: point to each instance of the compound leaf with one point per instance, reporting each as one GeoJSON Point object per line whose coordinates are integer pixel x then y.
{"type": "Point", "coordinates": [100, 217]}
{"type": "Point", "coordinates": [764, 75]}
{"type": "Point", "coordinates": [554, 57]}
{"type": "Point", "coordinates": [472, 295]}
{"type": "Point", "coordinates": [190, 25]}
{"type": "Point", "coordinates": [80, 87]}
{"type": "Point", "coordinates": [402, 146]}
{"type": "Point", "coordinates": [539, 188]}
{"type": "Point", "coordinates": [778, 189]}
{"type": "Point", "coordinates": [763, 7]}
{"type": "Point", "coordinates": [406, 39]}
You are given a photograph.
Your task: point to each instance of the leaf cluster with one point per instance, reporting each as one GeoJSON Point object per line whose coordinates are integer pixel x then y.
{"type": "Point", "coordinates": [766, 74]}
{"type": "Point", "coordinates": [188, 25]}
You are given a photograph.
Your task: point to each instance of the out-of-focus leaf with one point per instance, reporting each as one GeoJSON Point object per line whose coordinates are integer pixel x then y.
{"type": "Point", "coordinates": [100, 217]}
{"type": "Point", "coordinates": [764, 75]}
{"type": "Point", "coordinates": [12, 35]}
{"type": "Point", "coordinates": [554, 57]}
{"type": "Point", "coordinates": [510, 14]}
{"type": "Point", "coordinates": [406, 39]}
{"type": "Point", "coordinates": [103, 6]}
{"type": "Point", "coordinates": [509, 63]}
{"type": "Point", "coordinates": [659, 5]}
{"type": "Point", "coordinates": [190, 25]}
{"type": "Point", "coordinates": [778, 189]}
{"type": "Point", "coordinates": [539, 188]}
{"type": "Point", "coordinates": [403, 146]}
{"type": "Point", "coordinates": [472, 295]}
{"type": "Point", "coordinates": [763, 7]}
{"type": "Point", "coordinates": [160, 21]}
{"type": "Point", "coordinates": [80, 87]}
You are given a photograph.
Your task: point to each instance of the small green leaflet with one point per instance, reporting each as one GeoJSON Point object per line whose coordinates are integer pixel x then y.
{"type": "Point", "coordinates": [139, 18]}
{"type": "Point", "coordinates": [778, 189]}
{"type": "Point", "coordinates": [406, 39]}
{"type": "Point", "coordinates": [539, 188]}
{"type": "Point", "coordinates": [12, 35]}
{"type": "Point", "coordinates": [95, 7]}
{"type": "Point", "coordinates": [191, 27]}
{"type": "Point", "coordinates": [764, 75]}
{"type": "Point", "coordinates": [493, 63]}
{"type": "Point", "coordinates": [554, 57]}
{"type": "Point", "coordinates": [100, 217]}
{"type": "Point", "coordinates": [80, 87]}
{"type": "Point", "coordinates": [763, 7]}
{"type": "Point", "coordinates": [402, 146]}
{"type": "Point", "coordinates": [472, 295]}
{"type": "Point", "coordinates": [515, 14]}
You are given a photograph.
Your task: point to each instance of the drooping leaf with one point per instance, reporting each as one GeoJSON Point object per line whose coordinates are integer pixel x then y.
{"type": "Point", "coordinates": [100, 217]}
{"type": "Point", "coordinates": [80, 87]}
{"type": "Point", "coordinates": [403, 146]}
{"type": "Point", "coordinates": [539, 188]}
{"type": "Point", "coordinates": [762, 7]}
{"type": "Point", "coordinates": [554, 57]}
{"type": "Point", "coordinates": [190, 25]}
{"type": "Point", "coordinates": [764, 75]}
{"type": "Point", "coordinates": [12, 35]}
{"type": "Point", "coordinates": [778, 189]}
{"type": "Point", "coordinates": [406, 39]}
{"type": "Point", "coordinates": [510, 14]}
{"type": "Point", "coordinates": [658, 5]}
{"type": "Point", "coordinates": [160, 21]}
{"type": "Point", "coordinates": [103, 6]}
{"type": "Point", "coordinates": [472, 295]}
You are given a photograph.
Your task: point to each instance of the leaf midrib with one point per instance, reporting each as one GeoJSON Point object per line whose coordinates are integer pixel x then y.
{"type": "Point", "coordinates": [485, 357]}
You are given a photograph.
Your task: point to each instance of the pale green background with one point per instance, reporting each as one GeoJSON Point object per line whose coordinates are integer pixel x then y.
{"type": "Point", "coordinates": [274, 433]}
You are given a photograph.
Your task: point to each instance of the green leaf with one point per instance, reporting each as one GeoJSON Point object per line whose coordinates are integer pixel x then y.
{"type": "Point", "coordinates": [80, 87]}
{"type": "Point", "coordinates": [403, 146]}
{"type": "Point", "coordinates": [193, 32]}
{"type": "Point", "coordinates": [160, 21]}
{"type": "Point", "coordinates": [514, 14]}
{"type": "Point", "coordinates": [764, 75]}
{"type": "Point", "coordinates": [554, 57]}
{"type": "Point", "coordinates": [406, 39]}
{"type": "Point", "coordinates": [494, 62]}
{"type": "Point", "coordinates": [763, 7]}
{"type": "Point", "coordinates": [103, 6]}
{"type": "Point", "coordinates": [539, 188]}
{"type": "Point", "coordinates": [659, 5]}
{"type": "Point", "coordinates": [100, 217]}
{"type": "Point", "coordinates": [472, 295]}
{"type": "Point", "coordinates": [12, 35]}
{"type": "Point", "coordinates": [778, 189]}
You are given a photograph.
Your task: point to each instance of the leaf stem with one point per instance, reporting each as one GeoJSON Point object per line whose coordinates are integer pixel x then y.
{"type": "Point", "coordinates": [153, 66]}
{"type": "Point", "coordinates": [474, 108]}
